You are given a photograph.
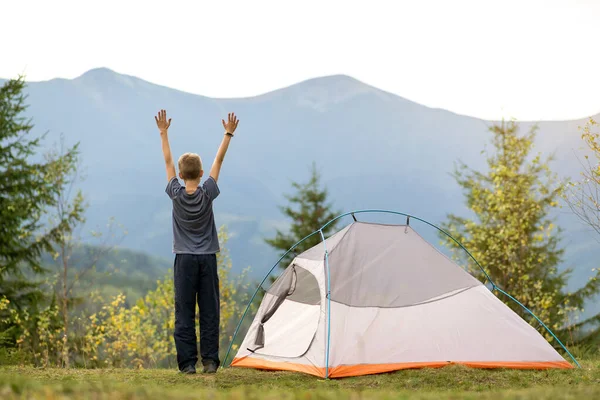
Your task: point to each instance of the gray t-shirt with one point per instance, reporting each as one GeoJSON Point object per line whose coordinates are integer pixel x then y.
{"type": "Point", "coordinates": [194, 230]}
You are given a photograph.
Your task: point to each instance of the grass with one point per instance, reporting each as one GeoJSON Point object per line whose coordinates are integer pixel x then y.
{"type": "Point", "coordinates": [452, 382]}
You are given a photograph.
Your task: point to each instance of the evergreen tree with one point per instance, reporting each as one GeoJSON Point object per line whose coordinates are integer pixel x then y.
{"type": "Point", "coordinates": [27, 189]}
{"type": "Point", "coordinates": [512, 235]}
{"type": "Point", "coordinates": [308, 211]}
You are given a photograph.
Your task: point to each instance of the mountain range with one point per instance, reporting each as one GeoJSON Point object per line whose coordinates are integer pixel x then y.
{"type": "Point", "coordinates": [374, 150]}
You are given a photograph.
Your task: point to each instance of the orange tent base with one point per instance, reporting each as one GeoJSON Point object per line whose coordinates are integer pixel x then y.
{"type": "Point", "coordinates": [368, 369]}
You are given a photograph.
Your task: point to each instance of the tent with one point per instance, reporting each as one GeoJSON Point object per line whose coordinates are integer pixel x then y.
{"type": "Point", "coordinates": [375, 298]}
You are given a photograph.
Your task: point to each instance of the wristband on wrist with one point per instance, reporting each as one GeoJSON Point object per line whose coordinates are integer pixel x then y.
{"type": "Point", "coordinates": [229, 134]}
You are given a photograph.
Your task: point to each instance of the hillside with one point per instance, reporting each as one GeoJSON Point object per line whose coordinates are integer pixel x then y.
{"type": "Point", "coordinates": [112, 271]}
{"type": "Point", "coordinates": [374, 149]}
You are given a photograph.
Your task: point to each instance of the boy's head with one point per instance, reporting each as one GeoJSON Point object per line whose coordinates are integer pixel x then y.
{"type": "Point", "coordinates": [190, 167]}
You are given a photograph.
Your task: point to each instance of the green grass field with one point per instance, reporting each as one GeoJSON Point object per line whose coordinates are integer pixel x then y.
{"type": "Point", "coordinates": [445, 383]}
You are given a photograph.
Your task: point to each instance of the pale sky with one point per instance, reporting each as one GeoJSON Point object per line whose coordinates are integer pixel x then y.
{"type": "Point", "coordinates": [527, 59]}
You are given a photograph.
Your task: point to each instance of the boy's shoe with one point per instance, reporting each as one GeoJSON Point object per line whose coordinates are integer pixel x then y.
{"type": "Point", "coordinates": [190, 369]}
{"type": "Point", "coordinates": [210, 368]}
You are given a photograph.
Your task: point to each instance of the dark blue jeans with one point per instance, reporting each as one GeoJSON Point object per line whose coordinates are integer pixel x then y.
{"type": "Point", "coordinates": [196, 281]}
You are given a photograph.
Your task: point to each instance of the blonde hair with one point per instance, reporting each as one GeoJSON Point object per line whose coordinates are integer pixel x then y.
{"type": "Point", "coordinates": [190, 166]}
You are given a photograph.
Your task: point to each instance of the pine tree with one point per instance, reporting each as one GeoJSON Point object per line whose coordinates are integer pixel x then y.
{"type": "Point", "coordinates": [308, 211]}
{"type": "Point", "coordinates": [513, 235]}
{"type": "Point", "coordinates": [27, 190]}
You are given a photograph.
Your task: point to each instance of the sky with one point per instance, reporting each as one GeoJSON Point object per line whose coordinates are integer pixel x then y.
{"type": "Point", "coordinates": [524, 59]}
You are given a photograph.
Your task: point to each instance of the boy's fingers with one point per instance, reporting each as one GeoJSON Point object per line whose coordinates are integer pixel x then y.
{"type": "Point", "coordinates": [156, 119]}
{"type": "Point", "coordinates": [224, 126]}
{"type": "Point", "coordinates": [169, 122]}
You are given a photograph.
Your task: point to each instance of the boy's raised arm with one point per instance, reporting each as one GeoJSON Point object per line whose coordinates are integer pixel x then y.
{"type": "Point", "coordinates": [230, 127]}
{"type": "Point", "coordinates": [163, 126]}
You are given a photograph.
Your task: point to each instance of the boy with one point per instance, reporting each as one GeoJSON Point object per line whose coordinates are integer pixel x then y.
{"type": "Point", "coordinates": [195, 244]}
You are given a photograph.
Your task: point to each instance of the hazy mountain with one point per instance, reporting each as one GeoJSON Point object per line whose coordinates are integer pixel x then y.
{"type": "Point", "coordinates": [374, 149]}
{"type": "Point", "coordinates": [112, 271]}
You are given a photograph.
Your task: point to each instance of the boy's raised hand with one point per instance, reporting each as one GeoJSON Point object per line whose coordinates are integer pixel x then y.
{"type": "Point", "coordinates": [161, 121]}
{"type": "Point", "coordinates": [231, 124]}
{"type": "Point", "coordinates": [230, 127]}
{"type": "Point", "coordinates": [163, 126]}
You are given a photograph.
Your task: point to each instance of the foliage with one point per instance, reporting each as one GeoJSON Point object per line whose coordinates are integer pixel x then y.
{"type": "Point", "coordinates": [114, 270]}
{"type": "Point", "coordinates": [27, 190]}
{"type": "Point", "coordinates": [116, 333]}
{"type": "Point", "coordinates": [138, 336]}
{"type": "Point", "coordinates": [308, 211]}
{"type": "Point", "coordinates": [233, 292]}
{"type": "Point", "coordinates": [583, 196]}
{"type": "Point", "coordinates": [72, 272]}
{"type": "Point", "coordinates": [512, 235]}
{"type": "Point", "coordinates": [141, 336]}
{"type": "Point", "coordinates": [38, 333]}
{"type": "Point", "coordinates": [71, 208]}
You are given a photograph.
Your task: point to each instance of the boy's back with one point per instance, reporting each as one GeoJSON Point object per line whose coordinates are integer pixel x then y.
{"type": "Point", "coordinates": [194, 229]}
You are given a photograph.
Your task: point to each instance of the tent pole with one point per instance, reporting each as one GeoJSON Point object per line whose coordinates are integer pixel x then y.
{"type": "Point", "coordinates": [328, 306]}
